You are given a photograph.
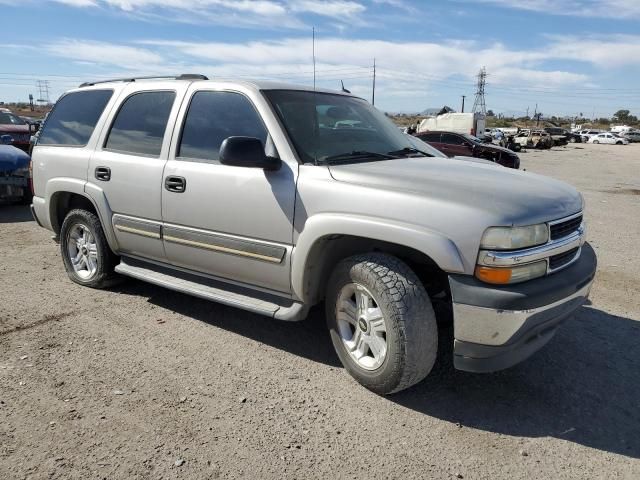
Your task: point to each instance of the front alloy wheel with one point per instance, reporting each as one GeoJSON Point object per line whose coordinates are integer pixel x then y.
{"type": "Point", "coordinates": [362, 326]}
{"type": "Point", "coordinates": [381, 322]}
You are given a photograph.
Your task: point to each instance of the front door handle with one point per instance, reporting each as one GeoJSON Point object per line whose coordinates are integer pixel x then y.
{"type": "Point", "coordinates": [175, 184]}
{"type": "Point", "coordinates": [103, 173]}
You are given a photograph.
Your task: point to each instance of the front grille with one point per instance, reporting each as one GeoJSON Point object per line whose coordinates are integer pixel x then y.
{"type": "Point", "coordinates": [560, 260]}
{"type": "Point", "coordinates": [563, 229]}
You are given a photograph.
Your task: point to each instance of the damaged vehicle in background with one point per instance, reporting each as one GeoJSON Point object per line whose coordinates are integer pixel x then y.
{"type": "Point", "coordinates": [19, 130]}
{"type": "Point", "coordinates": [456, 144]}
{"type": "Point", "coordinates": [561, 136]}
{"type": "Point", "coordinates": [533, 139]}
{"type": "Point", "coordinates": [15, 177]}
{"type": "Point", "coordinates": [429, 151]}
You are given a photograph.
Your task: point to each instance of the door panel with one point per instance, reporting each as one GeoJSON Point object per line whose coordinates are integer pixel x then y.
{"type": "Point", "coordinates": [231, 222]}
{"type": "Point", "coordinates": [129, 161]}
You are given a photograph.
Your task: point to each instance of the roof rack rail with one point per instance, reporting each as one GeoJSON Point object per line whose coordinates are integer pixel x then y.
{"type": "Point", "coordinates": [184, 76]}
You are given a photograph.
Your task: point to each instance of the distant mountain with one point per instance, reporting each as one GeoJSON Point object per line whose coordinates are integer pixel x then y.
{"type": "Point", "coordinates": [513, 113]}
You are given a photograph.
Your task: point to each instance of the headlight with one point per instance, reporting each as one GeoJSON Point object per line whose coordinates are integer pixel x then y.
{"type": "Point", "coordinates": [503, 276]}
{"type": "Point", "coordinates": [514, 238]}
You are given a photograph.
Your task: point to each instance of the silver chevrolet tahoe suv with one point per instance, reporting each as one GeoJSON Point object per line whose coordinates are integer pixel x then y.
{"type": "Point", "coordinates": [274, 198]}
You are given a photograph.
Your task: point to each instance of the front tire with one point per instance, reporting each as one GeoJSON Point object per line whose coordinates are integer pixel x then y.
{"type": "Point", "coordinates": [596, 141]}
{"type": "Point", "coordinates": [87, 257]}
{"type": "Point", "coordinates": [381, 322]}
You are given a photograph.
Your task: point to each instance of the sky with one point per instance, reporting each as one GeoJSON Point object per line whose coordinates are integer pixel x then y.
{"type": "Point", "coordinates": [566, 56]}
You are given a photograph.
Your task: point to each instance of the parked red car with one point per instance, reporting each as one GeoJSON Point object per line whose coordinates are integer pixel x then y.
{"type": "Point", "coordinates": [462, 144]}
{"type": "Point", "coordinates": [19, 130]}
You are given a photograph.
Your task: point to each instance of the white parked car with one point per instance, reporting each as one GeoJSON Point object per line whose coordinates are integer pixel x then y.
{"type": "Point", "coordinates": [608, 137]}
{"type": "Point", "coordinates": [588, 133]}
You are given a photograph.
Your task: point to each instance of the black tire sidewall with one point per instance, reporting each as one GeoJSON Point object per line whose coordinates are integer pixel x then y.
{"type": "Point", "coordinates": [391, 375]}
{"type": "Point", "coordinates": [105, 262]}
{"type": "Point", "coordinates": [388, 370]}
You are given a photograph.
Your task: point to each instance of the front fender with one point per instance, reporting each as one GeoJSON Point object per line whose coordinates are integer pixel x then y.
{"type": "Point", "coordinates": [433, 244]}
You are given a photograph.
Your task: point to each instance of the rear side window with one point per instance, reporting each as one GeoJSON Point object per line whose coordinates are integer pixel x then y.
{"type": "Point", "coordinates": [452, 139]}
{"type": "Point", "coordinates": [214, 116]}
{"type": "Point", "coordinates": [140, 123]}
{"type": "Point", "coordinates": [72, 120]}
{"type": "Point", "coordinates": [430, 137]}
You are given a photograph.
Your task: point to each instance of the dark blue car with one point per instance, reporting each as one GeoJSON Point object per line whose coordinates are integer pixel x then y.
{"type": "Point", "coordinates": [14, 173]}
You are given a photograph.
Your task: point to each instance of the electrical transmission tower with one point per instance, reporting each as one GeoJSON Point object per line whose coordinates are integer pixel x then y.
{"type": "Point", "coordinates": [479, 104]}
{"type": "Point", "coordinates": [43, 92]}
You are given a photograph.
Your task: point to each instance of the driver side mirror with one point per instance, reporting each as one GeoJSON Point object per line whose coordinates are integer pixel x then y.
{"type": "Point", "coordinates": [246, 152]}
{"type": "Point", "coordinates": [6, 139]}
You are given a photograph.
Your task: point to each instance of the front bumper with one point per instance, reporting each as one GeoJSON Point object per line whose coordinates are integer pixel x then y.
{"type": "Point", "coordinates": [496, 327]}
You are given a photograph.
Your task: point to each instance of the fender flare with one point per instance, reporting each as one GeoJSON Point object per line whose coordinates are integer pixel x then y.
{"type": "Point", "coordinates": [433, 244]}
{"type": "Point", "coordinates": [90, 192]}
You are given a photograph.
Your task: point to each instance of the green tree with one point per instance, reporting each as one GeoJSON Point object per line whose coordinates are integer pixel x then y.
{"type": "Point", "coordinates": [624, 116]}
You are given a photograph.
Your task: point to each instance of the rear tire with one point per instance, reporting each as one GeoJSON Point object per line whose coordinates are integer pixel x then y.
{"type": "Point", "coordinates": [572, 140]}
{"type": "Point", "coordinates": [381, 322]}
{"type": "Point", "coordinates": [596, 141]}
{"type": "Point", "coordinates": [87, 257]}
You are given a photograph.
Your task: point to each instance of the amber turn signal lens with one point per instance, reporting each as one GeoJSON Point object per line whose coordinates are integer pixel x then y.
{"type": "Point", "coordinates": [494, 275]}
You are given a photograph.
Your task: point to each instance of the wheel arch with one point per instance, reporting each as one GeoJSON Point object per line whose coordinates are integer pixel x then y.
{"type": "Point", "coordinates": [66, 196]}
{"type": "Point", "coordinates": [329, 238]}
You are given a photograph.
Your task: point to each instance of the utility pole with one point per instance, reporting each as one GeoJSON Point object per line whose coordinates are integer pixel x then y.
{"type": "Point", "coordinates": [313, 53]}
{"type": "Point", "coordinates": [462, 109]}
{"type": "Point", "coordinates": [479, 104]}
{"type": "Point", "coordinates": [527, 113]}
{"type": "Point", "coordinates": [373, 92]}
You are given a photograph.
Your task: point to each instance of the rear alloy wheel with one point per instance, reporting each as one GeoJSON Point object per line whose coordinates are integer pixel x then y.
{"type": "Point", "coordinates": [381, 322]}
{"type": "Point", "coordinates": [596, 141]}
{"type": "Point", "coordinates": [85, 252]}
{"type": "Point", "coordinates": [572, 140]}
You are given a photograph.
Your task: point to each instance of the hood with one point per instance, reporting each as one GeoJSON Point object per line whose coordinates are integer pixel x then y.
{"type": "Point", "coordinates": [12, 158]}
{"type": "Point", "coordinates": [476, 160]}
{"type": "Point", "coordinates": [513, 196]}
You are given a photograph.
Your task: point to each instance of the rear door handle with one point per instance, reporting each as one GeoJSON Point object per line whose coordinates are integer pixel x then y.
{"type": "Point", "coordinates": [175, 184]}
{"type": "Point", "coordinates": [103, 173]}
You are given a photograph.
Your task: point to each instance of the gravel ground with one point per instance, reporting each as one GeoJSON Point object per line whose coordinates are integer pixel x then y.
{"type": "Point", "coordinates": [142, 382]}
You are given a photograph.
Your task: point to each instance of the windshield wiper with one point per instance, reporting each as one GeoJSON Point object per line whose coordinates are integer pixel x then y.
{"type": "Point", "coordinates": [359, 155]}
{"type": "Point", "coordinates": [409, 150]}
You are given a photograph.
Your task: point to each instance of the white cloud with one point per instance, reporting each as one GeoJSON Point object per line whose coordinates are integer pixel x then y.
{"type": "Point", "coordinates": [243, 13]}
{"type": "Point", "coordinates": [609, 51]}
{"type": "Point", "coordinates": [105, 53]}
{"type": "Point", "coordinates": [408, 72]}
{"type": "Point", "coordinates": [78, 3]}
{"type": "Point", "coordinates": [329, 8]}
{"type": "Point", "coordinates": [617, 9]}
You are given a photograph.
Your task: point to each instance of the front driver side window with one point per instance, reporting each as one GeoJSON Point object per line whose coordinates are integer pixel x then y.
{"type": "Point", "coordinates": [214, 116]}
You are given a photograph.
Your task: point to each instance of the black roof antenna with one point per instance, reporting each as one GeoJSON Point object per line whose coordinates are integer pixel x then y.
{"type": "Point", "coordinates": [344, 89]}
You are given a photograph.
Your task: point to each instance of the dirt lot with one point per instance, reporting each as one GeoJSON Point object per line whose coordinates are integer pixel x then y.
{"type": "Point", "coordinates": [141, 382]}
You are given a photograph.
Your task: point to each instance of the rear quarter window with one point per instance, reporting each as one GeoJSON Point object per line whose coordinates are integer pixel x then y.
{"type": "Point", "coordinates": [74, 117]}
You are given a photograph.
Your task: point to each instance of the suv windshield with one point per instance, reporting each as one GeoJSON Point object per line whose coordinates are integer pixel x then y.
{"type": "Point", "coordinates": [10, 119]}
{"type": "Point", "coordinates": [326, 127]}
